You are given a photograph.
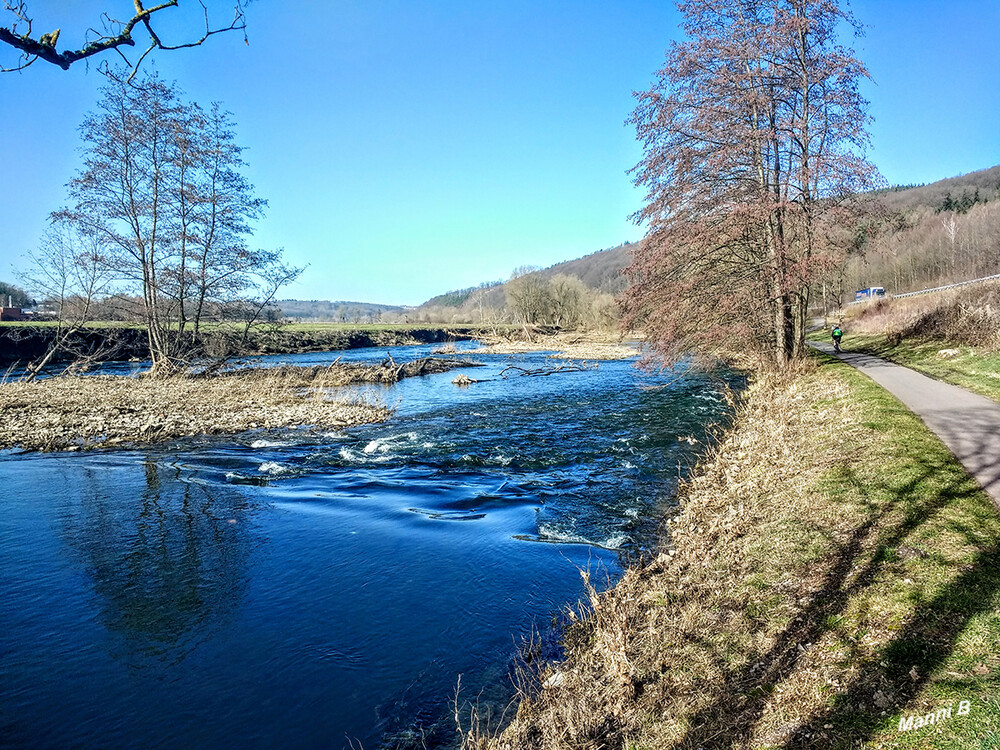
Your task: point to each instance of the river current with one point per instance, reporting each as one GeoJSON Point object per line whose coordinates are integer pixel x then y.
{"type": "Point", "coordinates": [318, 588]}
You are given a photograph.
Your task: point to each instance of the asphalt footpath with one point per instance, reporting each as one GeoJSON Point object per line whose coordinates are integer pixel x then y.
{"type": "Point", "coordinates": [969, 424]}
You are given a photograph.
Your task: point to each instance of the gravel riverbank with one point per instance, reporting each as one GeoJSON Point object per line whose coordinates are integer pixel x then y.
{"type": "Point", "coordinates": [73, 412]}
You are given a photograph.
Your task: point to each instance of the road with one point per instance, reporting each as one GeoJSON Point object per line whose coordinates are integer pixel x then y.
{"type": "Point", "coordinates": [967, 423]}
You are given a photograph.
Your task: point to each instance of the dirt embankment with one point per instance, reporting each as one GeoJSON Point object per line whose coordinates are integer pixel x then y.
{"type": "Point", "coordinates": [285, 341]}
{"type": "Point", "coordinates": [29, 343]}
{"type": "Point", "coordinates": [72, 412]}
{"type": "Point", "coordinates": [967, 316]}
{"type": "Point", "coordinates": [23, 343]}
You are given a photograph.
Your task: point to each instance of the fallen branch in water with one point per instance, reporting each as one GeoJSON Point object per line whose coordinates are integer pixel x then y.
{"type": "Point", "coordinates": [545, 371]}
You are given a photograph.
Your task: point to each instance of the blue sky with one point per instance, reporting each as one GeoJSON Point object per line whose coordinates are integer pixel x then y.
{"type": "Point", "coordinates": [411, 148]}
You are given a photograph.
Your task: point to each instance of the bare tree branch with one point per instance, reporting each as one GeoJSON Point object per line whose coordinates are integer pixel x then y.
{"type": "Point", "coordinates": [115, 36]}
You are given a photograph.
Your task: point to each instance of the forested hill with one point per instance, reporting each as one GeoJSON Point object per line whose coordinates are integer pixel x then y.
{"type": "Point", "coordinates": [933, 235]}
{"type": "Point", "coordinates": [601, 270]}
{"type": "Point", "coordinates": [578, 292]}
{"type": "Point", "coordinates": [954, 193]}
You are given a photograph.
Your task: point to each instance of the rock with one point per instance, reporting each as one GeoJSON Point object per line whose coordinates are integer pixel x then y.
{"type": "Point", "coordinates": [555, 680]}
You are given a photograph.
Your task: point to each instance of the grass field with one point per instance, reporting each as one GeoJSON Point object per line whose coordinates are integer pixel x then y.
{"type": "Point", "coordinates": [55, 324]}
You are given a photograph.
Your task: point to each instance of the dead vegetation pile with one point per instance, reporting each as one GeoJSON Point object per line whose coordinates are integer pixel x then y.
{"type": "Point", "coordinates": [768, 622]}
{"type": "Point", "coordinates": [70, 412]}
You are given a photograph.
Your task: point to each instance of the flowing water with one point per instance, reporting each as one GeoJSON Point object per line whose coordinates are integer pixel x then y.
{"type": "Point", "coordinates": [317, 588]}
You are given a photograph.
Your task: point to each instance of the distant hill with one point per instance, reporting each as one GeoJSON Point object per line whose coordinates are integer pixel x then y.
{"type": "Point", "coordinates": [459, 297]}
{"type": "Point", "coordinates": [953, 193]}
{"type": "Point", "coordinates": [575, 292]}
{"type": "Point", "coordinates": [323, 311]}
{"type": "Point", "coordinates": [601, 271]}
{"type": "Point", "coordinates": [931, 235]}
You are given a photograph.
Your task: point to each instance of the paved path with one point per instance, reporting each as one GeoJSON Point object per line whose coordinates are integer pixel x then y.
{"type": "Point", "coordinates": [967, 423]}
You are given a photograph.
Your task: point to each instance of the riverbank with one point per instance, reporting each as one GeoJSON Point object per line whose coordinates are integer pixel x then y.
{"type": "Point", "coordinates": [73, 412]}
{"type": "Point", "coordinates": [590, 345]}
{"type": "Point", "coordinates": [21, 342]}
{"type": "Point", "coordinates": [833, 574]}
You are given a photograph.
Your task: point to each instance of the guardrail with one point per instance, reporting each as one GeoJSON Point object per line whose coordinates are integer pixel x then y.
{"type": "Point", "coordinates": [929, 291]}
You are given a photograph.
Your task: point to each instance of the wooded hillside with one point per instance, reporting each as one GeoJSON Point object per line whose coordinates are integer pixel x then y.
{"type": "Point", "coordinates": [930, 235]}
{"type": "Point", "coordinates": [574, 293]}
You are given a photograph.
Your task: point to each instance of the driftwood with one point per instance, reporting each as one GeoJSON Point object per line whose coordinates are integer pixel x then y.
{"type": "Point", "coordinates": [538, 372]}
{"type": "Point", "coordinates": [423, 366]}
{"type": "Point", "coordinates": [511, 370]}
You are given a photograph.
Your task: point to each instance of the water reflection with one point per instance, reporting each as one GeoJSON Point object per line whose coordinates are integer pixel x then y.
{"type": "Point", "coordinates": [170, 567]}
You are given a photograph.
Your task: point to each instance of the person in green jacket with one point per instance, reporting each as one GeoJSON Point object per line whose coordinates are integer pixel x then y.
{"type": "Point", "coordinates": [838, 334]}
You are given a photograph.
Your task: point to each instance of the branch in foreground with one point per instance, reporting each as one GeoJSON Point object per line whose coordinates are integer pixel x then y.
{"type": "Point", "coordinates": [44, 46]}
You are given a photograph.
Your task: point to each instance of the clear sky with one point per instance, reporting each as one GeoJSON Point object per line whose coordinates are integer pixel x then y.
{"type": "Point", "coordinates": [411, 148]}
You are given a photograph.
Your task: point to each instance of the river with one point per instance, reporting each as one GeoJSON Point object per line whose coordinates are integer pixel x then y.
{"type": "Point", "coordinates": [315, 588]}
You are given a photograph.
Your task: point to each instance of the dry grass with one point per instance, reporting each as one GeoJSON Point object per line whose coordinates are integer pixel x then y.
{"type": "Point", "coordinates": [968, 316]}
{"type": "Point", "coordinates": [70, 412]}
{"type": "Point", "coordinates": [828, 547]}
{"type": "Point", "coordinates": [592, 345]}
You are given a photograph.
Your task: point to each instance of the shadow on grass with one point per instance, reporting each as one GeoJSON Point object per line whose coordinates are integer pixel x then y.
{"type": "Point", "coordinates": [922, 644]}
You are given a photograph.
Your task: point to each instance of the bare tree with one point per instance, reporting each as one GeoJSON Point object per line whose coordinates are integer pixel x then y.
{"type": "Point", "coordinates": [69, 273]}
{"type": "Point", "coordinates": [115, 34]}
{"type": "Point", "coordinates": [161, 190]}
{"type": "Point", "coordinates": [754, 138]}
{"type": "Point", "coordinates": [223, 207]}
{"type": "Point", "coordinates": [528, 295]}
{"type": "Point", "coordinates": [568, 298]}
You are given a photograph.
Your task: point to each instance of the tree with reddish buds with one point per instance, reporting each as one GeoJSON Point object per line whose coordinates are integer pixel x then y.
{"type": "Point", "coordinates": [754, 138]}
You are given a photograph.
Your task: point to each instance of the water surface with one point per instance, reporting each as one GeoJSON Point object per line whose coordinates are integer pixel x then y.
{"type": "Point", "coordinates": [305, 588]}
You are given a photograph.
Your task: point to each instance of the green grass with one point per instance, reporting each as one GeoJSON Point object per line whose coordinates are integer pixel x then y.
{"type": "Point", "coordinates": [968, 367]}
{"type": "Point", "coordinates": [54, 324]}
{"type": "Point", "coordinates": [934, 590]}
